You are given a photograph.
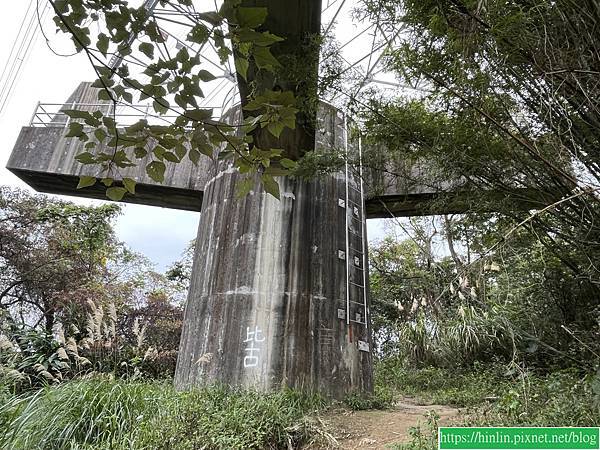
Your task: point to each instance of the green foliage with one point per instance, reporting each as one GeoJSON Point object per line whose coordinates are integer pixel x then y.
{"type": "Point", "coordinates": [458, 387]}
{"type": "Point", "coordinates": [320, 162]}
{"type": "Point", "coordinates": [174, 88]}
{"type": "Point", "coordinates": [493, 118]}
{"type": "Point", "coordinates": [103, 414]}
{"type": "Point", "coordinates": [500, 396]}
{"type": "Point", "coordinates": [32, 358]}
{"type": "Point", "coordinates": [75, 300]}
{"type": "Point", "coordinates": [208, 418]}
{"type": "Point", "coordinates": [49, 249]}
{"type": "Point", "coordinates": [93, 414]}
{"type": "Point", "coordinates": [278, 111]}
{"type": "Point", "coordinates": [564, 398]}
{"type": "Point", "coordinates": [517, 303]}
{"type": "Point", "coordinates": [382, 398]}
{"type": "Point", "coordinates": [426, 314]}
{"type": "Point", "coordinates": [423, 436]}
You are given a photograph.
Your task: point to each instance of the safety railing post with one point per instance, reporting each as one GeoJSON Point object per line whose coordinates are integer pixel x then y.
{"type": "Point", "coordinates": [34, 114]}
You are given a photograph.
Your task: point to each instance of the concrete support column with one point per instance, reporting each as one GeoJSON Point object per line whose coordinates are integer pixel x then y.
{"type": "Point", "coordinates": [268, 304]}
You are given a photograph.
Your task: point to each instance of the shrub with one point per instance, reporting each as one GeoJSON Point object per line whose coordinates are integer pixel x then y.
{"type": "Point", "coordinates": [382, 398]}
{"type": "Point", "coordinates": [563, 398]}
{"type": "Point", "coordinates": [458, 387]}
{"type": "Point", "coordinates": [220, 417]}
{"type": "Point", "coordinates": [422, 436]}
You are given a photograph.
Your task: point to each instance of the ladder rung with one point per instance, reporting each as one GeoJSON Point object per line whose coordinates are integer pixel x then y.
{"type": "Point", "coordinates": [355, 233]}
{"type": "Point", "coordinates": [358, 268]}
{"type": "Point", "coordinates": [357, 285]}
{"type": "Point", "coordinates": [358, 321]}
{"type": "Point", "coordinates": [355, 250]}
{"type": "Point", "coordinates": [353, 188]}
{"type": "Point", "coordinates": [357, 303]}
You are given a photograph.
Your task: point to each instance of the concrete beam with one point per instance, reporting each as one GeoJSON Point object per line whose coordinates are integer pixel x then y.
{"type": "Point", "coordinates": [404, 189]}
{"type": "Point", "coordinates": [45, 159]}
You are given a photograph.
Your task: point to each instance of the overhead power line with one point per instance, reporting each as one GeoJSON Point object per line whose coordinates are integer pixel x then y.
{"type": "Point", "coordinates": [20, 50]}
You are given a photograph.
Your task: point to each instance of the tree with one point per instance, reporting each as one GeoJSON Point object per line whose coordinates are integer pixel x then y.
{"type": "Point", "coordinates": [512, 106]}
{"type": "Point", "coordinates": [73, 298]}
{"type": "Point", "coordinates": [180, 272]}
{"type": "Point", "coordinates": [406, 281]}
{"type": "Point", "coordinates": [50, 251]}
{"type": "Point", "coordinates": [432, 305]}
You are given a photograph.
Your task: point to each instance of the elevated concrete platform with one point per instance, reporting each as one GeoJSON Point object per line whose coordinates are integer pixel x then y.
{"type": "Point", "coordinates": [45, 159]}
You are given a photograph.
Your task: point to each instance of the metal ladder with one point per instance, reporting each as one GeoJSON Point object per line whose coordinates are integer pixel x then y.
{"type": "Point", "coordinates": [355, 253]}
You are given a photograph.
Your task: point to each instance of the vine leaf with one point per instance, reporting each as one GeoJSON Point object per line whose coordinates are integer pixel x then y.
{"type": "Point", "coordinates": [156, 171]}
{"type": "Point", "coordinates": [147, 49]}
{"type": "Point", "coordinates": [249, 17]}
{"type": "Point", "coordinates": [264, 59]}
{"type": "Point", "coordinates": [206, 76]}
{"type": "Point", "coordinates": [241, 66]}
{"type": "Point", "coordinates": [75, 130]}
{"type": "Point", "coordinates": [116, 193]}
{"type": "Point", "coordinates": [173, 79]}
{"type": "Point", "coordinates": [288, 163]}
{"type": "Point", "coordinates": [102, 44]}
{"type": "Point", "coordinates": [270, 185]}
{"type": "Point", "coordinates": [85, 158]}
{"type": "Point", "coordinates": [129, 184]}
{"type": "Point", "coordinates": [86, 181]}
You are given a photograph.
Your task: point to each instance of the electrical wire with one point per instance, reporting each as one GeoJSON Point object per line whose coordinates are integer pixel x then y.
{"type": "Point", "coordinates": [14, 45]}
{"type": "Point", "coordinates": [20, 57]}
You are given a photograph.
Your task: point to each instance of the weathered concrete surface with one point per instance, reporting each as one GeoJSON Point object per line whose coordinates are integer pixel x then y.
{"type": "Point", "coordinates": [45, 159]}
{"type": "Point", "coordinates": [267, 285]}
{"type": "Point", "coordinates": [403, 188]}
{"type": "Point", "coordinates": [269, 297]}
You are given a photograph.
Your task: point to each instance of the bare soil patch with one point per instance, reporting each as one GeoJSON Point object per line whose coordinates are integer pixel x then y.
{"type": "Point", "coordinates": [380, 429]}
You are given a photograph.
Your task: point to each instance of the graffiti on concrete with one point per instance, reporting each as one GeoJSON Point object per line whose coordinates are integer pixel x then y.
{"type": "Point", "coordinates": [253, 347]}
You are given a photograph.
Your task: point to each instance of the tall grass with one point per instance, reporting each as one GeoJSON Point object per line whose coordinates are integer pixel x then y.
{"type": "Point", "coordinates": [103, 414]}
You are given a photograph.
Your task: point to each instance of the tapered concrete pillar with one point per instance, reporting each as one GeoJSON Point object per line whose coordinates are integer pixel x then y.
{"type": "Point", "coordinates": [276, 297]}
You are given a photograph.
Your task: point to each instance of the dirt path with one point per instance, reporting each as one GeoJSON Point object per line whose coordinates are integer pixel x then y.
{"type": "Point", "coordinates": [379, 429]}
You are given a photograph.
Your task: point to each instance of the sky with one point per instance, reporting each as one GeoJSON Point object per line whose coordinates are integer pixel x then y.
{"type": "Point", "coordinates": [158, 233]}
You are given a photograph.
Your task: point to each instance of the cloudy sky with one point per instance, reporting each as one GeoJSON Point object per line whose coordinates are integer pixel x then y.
{"type": "Point", "coordinates": [160, 234]}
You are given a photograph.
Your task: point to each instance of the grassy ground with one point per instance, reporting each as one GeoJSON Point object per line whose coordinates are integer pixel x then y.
{"type": "Point", "coordinates": [103, 414]}
{"type": "Point", "coordinates": [495, 395]}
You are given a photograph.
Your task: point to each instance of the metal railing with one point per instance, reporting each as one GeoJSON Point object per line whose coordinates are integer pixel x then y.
{"type": "Point", "coordinates": [52, 114]}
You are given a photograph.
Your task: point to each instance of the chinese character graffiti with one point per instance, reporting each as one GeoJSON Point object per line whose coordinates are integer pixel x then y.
{"type": "Point", "coordinates": [253, 338]}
